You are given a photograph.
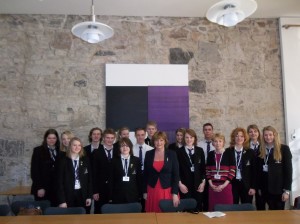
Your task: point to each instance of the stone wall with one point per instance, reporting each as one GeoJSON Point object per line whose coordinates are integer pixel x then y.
{"type": "Point", "coordinates": [49, 78]}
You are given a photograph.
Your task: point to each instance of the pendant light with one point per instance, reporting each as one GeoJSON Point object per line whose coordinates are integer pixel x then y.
{"type": "Point", "coordinates": [230, 12]}
{"type": "Point", "coordinates": [92, 32]}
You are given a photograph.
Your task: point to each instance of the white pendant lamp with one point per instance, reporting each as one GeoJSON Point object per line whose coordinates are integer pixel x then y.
{"type": "Point", "coordinates": [92, 31]}
{"type": "Point", "coordinates": [230, 12]}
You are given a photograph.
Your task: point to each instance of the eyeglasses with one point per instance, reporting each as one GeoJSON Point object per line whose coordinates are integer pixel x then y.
{"type": "Point", "coordinates": [124, 145]}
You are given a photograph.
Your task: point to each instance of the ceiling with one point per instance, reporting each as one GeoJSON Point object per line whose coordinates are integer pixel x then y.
{"type": "Point", "coordinates": [167, 8]}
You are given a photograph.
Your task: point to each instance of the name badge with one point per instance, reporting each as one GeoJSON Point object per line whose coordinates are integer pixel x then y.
{"type": "Point", "coordinates": [77, 185]}
{"type": "Point", "coordinates": [126, 178]}
{"type": "Point", "coordinates": [192, 168]}
{"type": "Point", "coordinates": [217, 176]}
{"type": "Point", "coordinates": [265, 168]}
{"type": "Point", "coordinates": [238, 174]}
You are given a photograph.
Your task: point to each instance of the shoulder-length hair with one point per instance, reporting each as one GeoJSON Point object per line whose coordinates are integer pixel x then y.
{"type": "Point", "coordinates": [128, 143]}
{"type": "Point", "coordinates": [160, 134]}
{"type": "Point", "coordinates": [70, 136]}
{"type": "Point", "coordinates": [49, 132]}
{"type": "Point", "coordinates": [192, 133]}
{"type": "Point", "coordinates": [277, 144]}
{"type": "Point", "coordinates": [120, 132]}
{"type": "Point", "coordinates": [255, 127]}
{"type": "Point", "coordinates": [218, 136]}
{"type": "Point", "coordinates": [234, 134]}
{"type": "Point", "coordinates": [68, 152]}
{"type": "Point", "coordinates": [91, 132]}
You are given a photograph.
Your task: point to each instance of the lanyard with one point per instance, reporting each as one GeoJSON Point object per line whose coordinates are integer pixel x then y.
{"type": "Point", "coordinates": [267, 156]}
{"type": "Point", "coordinates": [188, 153]}
{"type": "Point", "coordinates": [218, 164]}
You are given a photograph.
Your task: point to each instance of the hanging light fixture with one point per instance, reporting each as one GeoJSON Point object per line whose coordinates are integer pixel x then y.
{"type": "Point", "coordinates": [230, 12]}
{"type": "Point", "coordinates": [92, 31]}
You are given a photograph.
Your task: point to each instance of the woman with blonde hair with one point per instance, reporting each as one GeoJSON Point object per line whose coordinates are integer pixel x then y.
{"type": "Point", "coordinates": [65, 137]}
{"type": "Point", "coordinates": [274, 170]}
{"type": "Point", "coordinates": [74, 177]}
{"type": "Point", "coordinates": [220, 170]}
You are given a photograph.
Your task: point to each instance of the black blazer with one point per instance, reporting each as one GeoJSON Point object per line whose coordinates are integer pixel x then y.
{"type": "Point", "coordinates": [248, 171]}
{"type": "Point", "coordinates": [279, 176]}
{"type": "Point", "coordinates": [44, 172]}
{"type": "Point", "coordinates": [188, 178]}
{"type": "Point", "coordinates": [89, 153]}
{"type": "Point", "coordinates": [173, 146]}
{"type": "Point", "coordinates": [169, 174]}
{"type": "Point", "coordinates": [101, 170]}
{"type": "Point", "coordinates": [66, 179]}
{"type": "Point", "coordinates": [123, 191]}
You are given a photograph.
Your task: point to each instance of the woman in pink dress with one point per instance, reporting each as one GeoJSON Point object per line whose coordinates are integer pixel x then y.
{"type": "Point", "coordinates": [161, 174]}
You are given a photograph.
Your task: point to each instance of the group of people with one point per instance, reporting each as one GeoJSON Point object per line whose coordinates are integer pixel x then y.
{"type": "Point", "coordinates": [113, 170]}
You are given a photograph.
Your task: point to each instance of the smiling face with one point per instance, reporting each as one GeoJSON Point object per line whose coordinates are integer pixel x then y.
{"type": "Point", "coordinates": [65, 140]}
{"type": "Point", "coordinates": [218, 144]}
{"type": "Point", "coordinates": [159, 143]}
{"type": "Point", "coordinates": [269, 137]}
{"type": "Point", "coordinates": [140, 136]}
{"type": "Point", "coordinates": [125, 149]}
{"type": "Point", "coordinates": [124, 133]}
{"type": "Point", "coordinates": [76, 147]}
{"type": "Point", "coordinates": [239, 139]}
{"type": "Point", "coordinates": [51, 140]}
{"type": "Point", "coordinates": [189, 140]}
{"type": "Point", "coordinates": [253, 134]}
{"type": "Point", "coordinates": [109, 140]}
{"type": "Point", "coordinates": [96, 136]}
{"type": "Point", "coordinates": [151, 130]}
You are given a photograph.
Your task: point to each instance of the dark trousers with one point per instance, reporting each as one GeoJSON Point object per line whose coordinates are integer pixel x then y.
{"type": "Point", "coordinates": [196, 195]}
{"type": "Point", "coordinates": [103, 199]}
{"type": "Point", "coordinates": [205, 197]}
{"type": "Point", "coordinates": [274, 201]}
{"type": "Point", "coordinates": [259, 202]}
{"type": "Point", "coordinates": [240, 193]}
{"type": "Point", "coordinates": [78, 201]}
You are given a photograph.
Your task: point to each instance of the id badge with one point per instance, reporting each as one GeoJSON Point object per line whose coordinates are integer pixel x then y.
{"type": "Point", "coordinates": [192, 168]}
{"type": "Point", "coordinates": [238, 174]}
{"type": "Point", "coordinates": [125, 178]}
{"type": "Point", "coordinates": [77, 184]}
{"type": "Point", "coordinates": [265, 168]}
{"type": "Point", "coordinates": [217, 176]}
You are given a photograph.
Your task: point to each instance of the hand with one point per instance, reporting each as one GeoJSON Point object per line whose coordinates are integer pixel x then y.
{"type": "Point", "coordinates": [96, 197]}
{"type": "Point", "coordinates": [285, 197]}
{"type": "Point", "coordinates": [201, 187]}
{"type": "Point", "coordinates": [88, 202]}
{"type": "Point", "coordinates": [176, 201]}
{"type": "Point", "coordinates": [41, 193]}
{"type": "Point", "coordinates": [145, 196]}
{"type": "Point", "coordinates": [63, 205]}
{"type": "Point", "coordinates": [251, 191]}
{"type": "Point", "coordinates": [183, 188]}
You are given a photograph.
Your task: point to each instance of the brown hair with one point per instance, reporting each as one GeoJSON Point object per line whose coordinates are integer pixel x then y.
{"type": "Point", "coordinates": [91, 132]}
{"type": "Point", "coordinates": [255, 127]}
{"type": "Point", "coordinates": [192, 133]}
{"type": "Point", "coordinates": [160, 134]}
{"type": "Point", "coordinates": [128, 143]}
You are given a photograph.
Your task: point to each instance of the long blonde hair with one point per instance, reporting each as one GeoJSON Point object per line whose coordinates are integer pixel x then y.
{"type": "Point", "coordinates": [70, 136]}
{"type": "Point", "coordinates": [277, 144]}
{"type": "Point", "coordinates": [68, 152]}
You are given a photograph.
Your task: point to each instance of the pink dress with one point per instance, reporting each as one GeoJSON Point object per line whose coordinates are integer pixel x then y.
{"type": "Point", "coordinates": [154, 195]}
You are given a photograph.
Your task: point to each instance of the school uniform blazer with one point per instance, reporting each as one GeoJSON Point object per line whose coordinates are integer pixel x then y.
{"type": "Point", "coordinates": [248, 171]}
{"type": "Point", "coordinates": [169, 174]}
{"type": "Point", "coordinates": [187, 177]}
{"type": "Point", "coordinates": [43, 170]}
{"type": "Point", "coordinates": [101, 169]}
{"type": "Point", "coordinates": [173, 146]}
{"type": "Point", "coordinates": [279, 172]}
{"type": "Point", "coordinates": [89, 153]}
{"type": "Point", "coordinates": [66, 179]}
{"type": "Point", "coordinates": [125, 191]}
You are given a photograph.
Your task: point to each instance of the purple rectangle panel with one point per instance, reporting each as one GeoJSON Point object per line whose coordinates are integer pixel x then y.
{"type": "Point", "coordinates": [169, 106]}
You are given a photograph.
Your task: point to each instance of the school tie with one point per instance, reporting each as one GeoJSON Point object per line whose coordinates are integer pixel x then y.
{"type": "Point", "coordinates": [126, 161]}
{"type": "Point", "coordinates": [141, 155]}
{"type": "Point", "coordinates": [190, 152]}
{"type": "Point", "coordinates": [255, 150]}
{"type": "Point", "coordinates": [52, 154]}
{"type": "Point", "coordinates": [108, 154]}
{"type": "Point", "coordinates": [238, 157]}
{"type": "Point", "coordinates": [208, 147]}
{"type": "Point", "coordinates": [76, 169]}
